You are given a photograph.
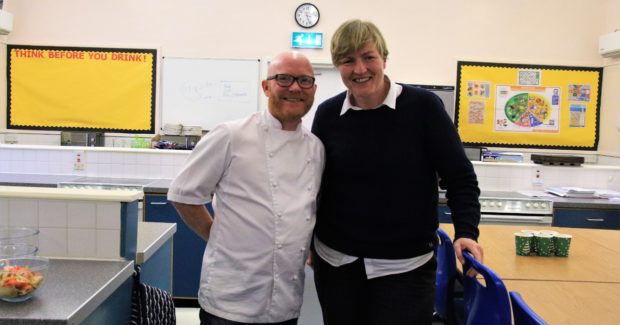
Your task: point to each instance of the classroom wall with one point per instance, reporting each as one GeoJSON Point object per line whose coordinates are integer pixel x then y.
{"type": "Point", "coordinates": [610, 104]}
{"type": "Point", "coordinates": [425, 38]}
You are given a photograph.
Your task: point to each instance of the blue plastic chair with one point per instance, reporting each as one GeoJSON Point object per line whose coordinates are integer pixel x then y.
{"type": "Point", "coordinates": [522, 313]}
{"type": "Point", "coordinates": [487, 304]}
{"type": "Point", "coordinates": [448, 303]}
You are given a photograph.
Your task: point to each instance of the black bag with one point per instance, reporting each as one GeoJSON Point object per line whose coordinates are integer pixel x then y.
{"type": "Point", "coordinates": [150, 305]}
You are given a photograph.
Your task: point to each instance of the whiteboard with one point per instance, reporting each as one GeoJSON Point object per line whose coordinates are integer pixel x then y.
{"type": "Point", "coordinates": [206, 92]}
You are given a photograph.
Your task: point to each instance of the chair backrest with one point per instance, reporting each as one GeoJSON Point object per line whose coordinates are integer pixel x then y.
{"type": "Point", "coordinates": [522, 313]}
{"type": "Point", "coordinates": [486, 304]}
{"type": "Point", "coordinates": [446, 273]}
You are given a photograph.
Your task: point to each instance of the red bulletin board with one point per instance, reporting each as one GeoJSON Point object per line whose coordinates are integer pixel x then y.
{"type": "Point", "coordinates": [81, 88]}
{"type": "Point", "coordinates": [534, 106]}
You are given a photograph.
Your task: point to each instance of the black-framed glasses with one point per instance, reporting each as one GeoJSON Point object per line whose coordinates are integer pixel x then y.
{"type": "Point", "coordinates": [286, 80]}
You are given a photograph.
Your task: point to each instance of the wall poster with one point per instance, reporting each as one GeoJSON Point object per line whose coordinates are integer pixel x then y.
{"type": "Point", "coordinates": [81, 88]}
{"type": "Point", "coordinates": [534, 106]}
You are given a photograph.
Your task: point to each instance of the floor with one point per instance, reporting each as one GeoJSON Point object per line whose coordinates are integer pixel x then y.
{"type": "Point", "coordinates": [310, 310]}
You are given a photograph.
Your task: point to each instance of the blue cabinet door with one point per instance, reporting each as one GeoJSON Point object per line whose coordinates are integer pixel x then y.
{"type": "Point", "coordinates": [585, 218]}
{"type": "Point", "coordinates": [188, 247]}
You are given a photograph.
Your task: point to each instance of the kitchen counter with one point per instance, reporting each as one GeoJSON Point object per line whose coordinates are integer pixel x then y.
{"type": "Point", "coordinates": [72, 290]}
{"type": "Point", "coordinates": [68, 193]}
{"type": "Point", "coordinates": [35, 180]}
{"type": "Point", "coordinates": [151, 237]}
{"type": "Point", "coordinates": [558, 202]}
{"type": "Point", "coordinates": [158, 186]}
{"type": "Point", "coordinates": [161, 186]}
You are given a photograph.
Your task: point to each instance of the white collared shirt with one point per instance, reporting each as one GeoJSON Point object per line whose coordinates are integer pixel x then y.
{"type": "Point", "coordinates": [389, 101]}
{"type": "Point", "coordinates": [374, 267]}
{"type": "Point", "coordinates": [265, 182]}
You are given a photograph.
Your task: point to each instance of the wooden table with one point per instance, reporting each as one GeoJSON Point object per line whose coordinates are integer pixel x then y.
{"type": "Point", "coordinates": [594, 255]}
{"type": "Point", "coordinates": [577, 303]}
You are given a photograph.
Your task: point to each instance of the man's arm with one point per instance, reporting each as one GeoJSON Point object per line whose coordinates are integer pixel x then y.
{"type": "Point", "coordinates": [197, 217]}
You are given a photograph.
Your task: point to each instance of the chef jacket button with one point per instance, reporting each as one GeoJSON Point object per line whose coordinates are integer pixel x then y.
{"type": "Point", "coordinates": [280, 215]}
{"type": "Point", "coordinates": [271, 154]}
{"type": "Point", "coordinates": [302, 249]}
{"type": "Point", "coordinates": [309, 188]}
{"type": "Point", "coordinates": [295, 277]}
{"type": "Point", "coordinates": [279, 246]}
{"type": "Point", "coordinates": [308, 161]}
{"type": "Point", "coordinates": [274, 184]}
{"type": "Point", "coordinates": [308, 218]}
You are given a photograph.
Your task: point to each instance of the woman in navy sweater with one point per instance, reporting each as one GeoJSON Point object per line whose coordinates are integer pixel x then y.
{"type": "Point", "coordinates": [386, 145]}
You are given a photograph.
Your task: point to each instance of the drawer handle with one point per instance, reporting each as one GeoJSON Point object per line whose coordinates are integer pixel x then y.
{"type": "Point", "coordinates": [158, 203]}
{"type": "Point", "coordinates": [595, 220]}
{"type": "Point", "coordinates": [447, 213]}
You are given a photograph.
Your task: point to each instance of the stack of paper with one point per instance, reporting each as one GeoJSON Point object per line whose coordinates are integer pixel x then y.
{"type": "Point", "coordinates": [608, 194]}
{"type": "Point", "coordinates": [577, 192]}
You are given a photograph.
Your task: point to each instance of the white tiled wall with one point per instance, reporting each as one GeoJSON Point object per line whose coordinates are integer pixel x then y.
{"type": "Point", "coordinates": [147, 163]}
{"type": "Point", "coordinates": [513, 177]}
{"type": "Point", "coordinates": [68, 228]}
{"type": "Point", "coordinates": [123, 163]}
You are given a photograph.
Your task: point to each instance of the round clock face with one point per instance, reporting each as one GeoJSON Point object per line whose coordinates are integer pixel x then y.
{"type": "Point", "coordinates": [307, 15]}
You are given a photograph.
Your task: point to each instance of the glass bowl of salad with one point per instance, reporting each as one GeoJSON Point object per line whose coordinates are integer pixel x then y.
{"type": "Point", "coordinates": [20, 277]}
{"type": "Point", "coordinates": [17, 250]}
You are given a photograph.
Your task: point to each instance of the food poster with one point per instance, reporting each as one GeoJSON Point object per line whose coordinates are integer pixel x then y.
{"type": "Point", "coordinates": [509, 105]}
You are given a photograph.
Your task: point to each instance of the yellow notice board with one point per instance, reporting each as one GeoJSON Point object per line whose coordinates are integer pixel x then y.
{"type": "Point", "coordinates": [535, 106]}
{"type": "Point", "coordinates": [80, 88]}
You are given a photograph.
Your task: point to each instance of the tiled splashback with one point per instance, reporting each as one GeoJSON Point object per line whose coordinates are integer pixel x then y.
{"type": "Point", "coordinates": [95, 162]}
{"type": "Point", "coordinates": [514, 177]}
{"type": "Point", "coordinates": [146, 163]}
{"type": "Point", "coordinates": [68, 228]}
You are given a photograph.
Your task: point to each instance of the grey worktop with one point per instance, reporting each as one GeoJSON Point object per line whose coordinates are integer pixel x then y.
{"type": "Point", "coordinates": [37, 180]}
{"type": "Point", "coordinates": [154, 185]}
{"type": "Point", "coordinates": [72, 290]}
{"type": "Point", "coordinates": [151, 236]}
{"type": "Point", "coordinates": [558, 202]}
{"type": "Point", "coordinates": [158, 186]}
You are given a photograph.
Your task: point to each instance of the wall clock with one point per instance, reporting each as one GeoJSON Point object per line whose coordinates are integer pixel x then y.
{"type": "Point", "coordinates": [307, 15]}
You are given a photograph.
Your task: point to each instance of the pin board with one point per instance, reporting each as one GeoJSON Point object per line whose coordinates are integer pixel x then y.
{"type": "Point", "coordinates": [206, 92]}
{"type": "Point", "coordinates": [534, 106]}
{"type": "Point", "coordinates": [81, 88]}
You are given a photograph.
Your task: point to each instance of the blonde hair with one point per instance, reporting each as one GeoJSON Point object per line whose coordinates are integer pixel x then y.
{"type": "Point", "coordinates": [353, 35]}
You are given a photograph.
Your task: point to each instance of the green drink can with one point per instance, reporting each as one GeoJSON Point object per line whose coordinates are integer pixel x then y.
{"type": "Point", "coordinates": [524, 243]}
{"type": "Point", "coordinates": [544, 244]}
{"type": "Point", "coordinates": [562, 244]}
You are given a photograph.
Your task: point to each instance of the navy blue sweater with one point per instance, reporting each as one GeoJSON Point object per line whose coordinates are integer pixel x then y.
{"type": "Point", "coordinates": [379, 194]}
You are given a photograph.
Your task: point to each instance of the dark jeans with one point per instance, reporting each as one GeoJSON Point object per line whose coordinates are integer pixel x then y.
{"type": "Point", "coordinates": [209, 319]}
{"type": "Point", "coordinates": [348, 297]}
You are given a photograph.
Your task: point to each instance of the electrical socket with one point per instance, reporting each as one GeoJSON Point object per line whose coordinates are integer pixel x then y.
{"type": "Point", "coordinates": [537, 179]}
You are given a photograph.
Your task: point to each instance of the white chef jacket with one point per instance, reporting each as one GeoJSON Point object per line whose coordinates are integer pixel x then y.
{"type": "Point", "coordinates": [265, 182]}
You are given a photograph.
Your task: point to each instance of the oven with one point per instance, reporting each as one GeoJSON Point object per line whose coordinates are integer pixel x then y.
{"type": "Point", "coordinates": [516, 211]}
